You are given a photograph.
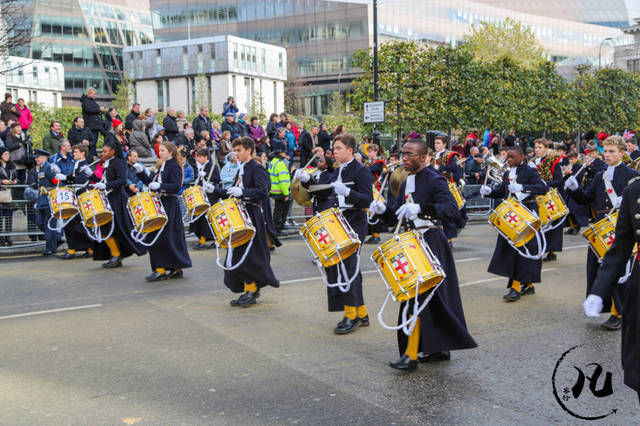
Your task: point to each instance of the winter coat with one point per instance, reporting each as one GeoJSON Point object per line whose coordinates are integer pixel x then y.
{"type": "Point", "coordinates": [138, 140]}
{"type": "Point", "coordinates": [91, 113]}
{"type": "Point", "coordinates": [25, 119]}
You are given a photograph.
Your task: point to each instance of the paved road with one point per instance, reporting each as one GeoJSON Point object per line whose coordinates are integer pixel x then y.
{"type": "Point", "coordinates": [175, 352]}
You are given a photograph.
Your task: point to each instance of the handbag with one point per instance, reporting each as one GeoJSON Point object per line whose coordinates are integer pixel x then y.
{"type": "Point", "coordinates": [5, 195]}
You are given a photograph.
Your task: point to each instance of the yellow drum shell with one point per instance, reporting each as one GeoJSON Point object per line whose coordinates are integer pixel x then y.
{"type": "Point", "coordinates": [405, 264]}
{"type": "Point", "coordinates": [602, 234]}
{"type": "Point", "coordinates": [146, 212]}
{"type": "Point", "coordinates": [330, 237]}
{"type": "Point", "coordinates": [551, 207]}
{"type": "Point", "coordinates": [93, 205]}
{"type": "Point", "coordinates": [62, 201]}
{"type": "Point", "coordinates": [515, 221]}
{"type": "Point", "coordinates": [453, 188]}
{"type": "Point", "coordinates": [230, 217]}
{"type": "Point", "coordinates": [195, 200]}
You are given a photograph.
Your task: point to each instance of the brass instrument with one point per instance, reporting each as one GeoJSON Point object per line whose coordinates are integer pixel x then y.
{"type": "Point", "coordinates": [495, 169]}
{"type": "Point", "coordinates": [299, 193]}
{"type": "Point", "coordinates": [398, 175]}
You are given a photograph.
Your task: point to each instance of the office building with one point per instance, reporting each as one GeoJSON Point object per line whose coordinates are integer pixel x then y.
{"type": "Point", "coordinates": [167, 74]}
{"type": "Point", "coordinates": [627, 56]}
{"type": "Point", "coordinates": [87, 37]}
{"type": "Point", "coordinates": [34, 81]}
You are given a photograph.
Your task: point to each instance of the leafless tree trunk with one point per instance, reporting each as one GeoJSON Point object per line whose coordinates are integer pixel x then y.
{"type": "Point", "coordinates": [15, 30]}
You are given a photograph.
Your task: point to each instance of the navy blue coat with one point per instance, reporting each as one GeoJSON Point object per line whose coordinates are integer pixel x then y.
{"type": "Point", "coordinates": [116, 181]}
{"type": "Point", "coordinates": [170, 249]}
{"type": "Point", "coordinates": [443, 325]}
{"type": "Point", "coordinates": [201, 227]}
{"type": "Point", "coordinates": [256, 267]}
{"type": "Point", "coordinates": [42, 178]}
{"type": "Point", "coordinates": [579, 212]}
{"type": "Point", "coordinates": [506, 261]}
{"type": "Point", "coordinates": [555, 236]}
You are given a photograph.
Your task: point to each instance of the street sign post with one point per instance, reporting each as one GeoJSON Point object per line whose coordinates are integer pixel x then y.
{"type": "Point", "coordinates": [374, 112]}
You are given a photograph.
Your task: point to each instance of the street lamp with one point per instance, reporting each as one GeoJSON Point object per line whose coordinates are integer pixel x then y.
{"type": "Point", "coordinates": [600, 51]}
{"type": "Point", "coordinates": [376, 133]}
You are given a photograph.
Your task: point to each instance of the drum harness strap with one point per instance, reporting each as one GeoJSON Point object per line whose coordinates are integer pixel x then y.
{"type": "Point", "coordinates": [60, 222]}
{"type": "Point", "coordinates": [191, 217]}
{"type": "Point", "coordinates": [228, 266]}
{"type": "Point", "coordinates": [138, 234]}
{"type": "Point", "coordinates": [95, 233]}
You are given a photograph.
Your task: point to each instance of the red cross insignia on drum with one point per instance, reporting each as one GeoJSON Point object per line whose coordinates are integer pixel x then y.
{"type": "Point", "coordinates": [512, 217]}
{"type": "Point", "coordinates": [139, 210]}
{"type": "Point", "coordinates": [87, 205]}
{"type": "Point", "coordinates": [222, 220]}
{"type": "Point", "coordinates": [322, 235]}
{"type": "Point", "coordinates": [400, 264]}
{"type": "Point", "coordinates": [190, 198]}
{"type": "Point", "coordinates": [608, 238]}
{"type": "Point", "coordinates": [551, 206]}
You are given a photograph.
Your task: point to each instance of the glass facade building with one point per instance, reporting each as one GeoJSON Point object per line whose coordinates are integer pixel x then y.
{"type": "Point", "coordinates": [87, 38]}
{"type": "Point", "coordinates": [321, 36]}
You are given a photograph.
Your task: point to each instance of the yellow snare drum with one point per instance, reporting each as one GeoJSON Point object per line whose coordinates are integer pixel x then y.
{"type": "Point", "coordinates": [330, 237]}
{"type": "Point", "coordinates": [405, 264]}
{"type": "Point", "coordinates": [195, 200]}
{"type": "Point", "coordinates": [515, 222]}
{"type": "Point", "coordinates": [230, 218]}
{"type": "Point", "coordinates": [551, 207]}
{"type": "Point", "coordinates": [602, 234]}
{"type": "Point", "coordinates": [94, 208]}
{"type": "Point", "coordinates": [62, 201]}
{"type": "Point", "coordinates": [146, 212]}
{"type": "Point", "coordinates": [455, 191]}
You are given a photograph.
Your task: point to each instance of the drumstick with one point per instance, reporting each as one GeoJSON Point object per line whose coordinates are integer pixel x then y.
{"type": "Point", "coordinates": [384, 183]}
{"type": "Point", "coordinates": [313, 157]}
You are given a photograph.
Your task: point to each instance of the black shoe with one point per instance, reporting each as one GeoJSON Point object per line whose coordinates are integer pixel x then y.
{"type": "Point", "coordinates": [364, 322]}
{"type": "Point", "coordinates": [248, 298]}
{"type": "Point", "coordinates": [511, 296]}
{"type": "Point", "coordinates": [346, 326]}
{"type": "Point", "coordinates": [67, 256]}
{"type": "Point", "coordinates": [526, 289]}
{"type": "Point", "coordinates": [176, 274]}
{"type": "Point", "coordinates": [571, 231]}
{"type": "Point", "coordinates": [435, 357]}
{"type": "Point", "coordinates": [86, 255]}
{"type": "Point", "coordinates": [155, 276]}
{"type": "Point", "coordinates": [404, 363]}
{"type": "Point", "coordinates": [211, 246]}
{"type": "Point", "coordinates": [114, 262]}
{"type": "Point", "coordinates": [613, 323]}
{"type": "Point", "coordinates": [550, 257]}
{"type": "Point", "coordinates": [373, 240]}
{"type": "Point", "coordinates": [47, 253]}
{"type": "Point", "coordinates": [272, 249]}
{"type": "Point", "coordinates": [200, 246]}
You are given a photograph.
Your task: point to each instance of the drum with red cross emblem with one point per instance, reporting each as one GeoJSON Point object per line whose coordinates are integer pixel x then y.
{"type": "Point", "coordinates": [407, 265]}
{"type": "Point", "coordinates": [602, 234]}
{"type": "Point", "coordinates": [195, 200]}
{"type": "Point", "coordinates": [551, 207]}
{"type": "Point", "coordinates": [94, 208]}
{"type": "Point", "coordinates": [228, 219]}
{"type": "Point", "coordinates": [62, 201]}
{"type": "Point", "coordinates": [146, 212]}
{"type": "Point", "coordinates": [330, 237]}
{"type": "Point", "coordinates": [515, 222]}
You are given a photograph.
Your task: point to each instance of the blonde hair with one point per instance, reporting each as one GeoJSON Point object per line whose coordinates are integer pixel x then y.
{"type": "Point", "coordinates": [205, 134]}
{"type": "Point", "coordinates": [616, 140]}
{"type": "Point", "coordinates": [91, 90]}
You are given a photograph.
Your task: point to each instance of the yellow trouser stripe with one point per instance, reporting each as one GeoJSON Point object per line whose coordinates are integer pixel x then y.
{"type": "Point", "coordinates": [414, 342]}
{"type": "Point", "coordinates": [250, 287]}
{"type": "Point", "coordinates": [515, 285]}
{"type": "Point", "coordinates": [113, 247]}
{"type": "Point", "coordinates": [361, 311]}
{"type": "Point", "coordinates": [350, 312]}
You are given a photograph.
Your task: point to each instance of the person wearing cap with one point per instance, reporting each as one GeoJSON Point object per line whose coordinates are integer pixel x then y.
{"type": "Point", "coordinates": [41, 177]}
{"type": "Point", "coordinates": [114, 180]}
{"type": "Point", "coordinates": [280, 188]}
{"type": "Point", "coordinates": [243, 126]}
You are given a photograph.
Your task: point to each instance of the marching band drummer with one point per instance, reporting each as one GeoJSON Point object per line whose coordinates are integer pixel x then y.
{"type": "Point", "coordinates": [602, 194]}
{"type": "Point", "coordinates": [524, 183]}
{"type": "Point", "coordinates": [550, 170]}
{"type": "Point", "coordinates": [425, 197]}
{"type": "Point", "coordinates": [169, 254]}
{"type": "Point", "coordinates": [201, 227]}
{"type": "Point", "coordinates": [606, 283]}
{"type": "Point", "coordinates": [352, 200]}
{"type": "Point", "coordinates": [251, 185]}
{"type": "Point", "coordinates": [115, 173]}
{"type": "Point", "coordinates": [74, 232]}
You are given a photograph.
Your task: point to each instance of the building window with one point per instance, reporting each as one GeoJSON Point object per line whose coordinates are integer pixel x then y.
{"type": "Point", "coordinates": [247, 95]}
{"type": "Point", "coordinates": [280, 64]}
{"type": "Point", "coordinates": [167, 92]}
{"type": "Point", "coordinates": [235, 55]}
{"type": "Point", "coordinates": [159, 85]}
{"type": "Point", "coordinates": [633, 65]}
{"type": "Point", "coordinates": [34, 75]}
{"type": "Point", "coordinates": [33, 97]}
{"type": "Point", "coordinates": [200, 62]}
{"type": "Point", "coordinates": [233, 86]}
{"type": "Point", "coordinates": [264, 61]}
{"type": "Point", "coordinates": [21, 75]}
{"type": "Point", "coordinates": [185, 60]}
{"type": "Point", "coordinates": [54, 78]}
{"type": "Point", "coordinates": [212, 64]}
{"type": "Point", "coordinates": [55, 100]}
{"type": "Point", "coordinates": [8, 66]}
{"type": "Point", "coordinates": [158, 63]}
{"type": "Point", "coordinates": [275, 96]}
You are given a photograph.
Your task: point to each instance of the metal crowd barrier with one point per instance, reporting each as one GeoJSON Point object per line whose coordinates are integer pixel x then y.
{"type": "Point", "coordinates": [18, 222]}
{"type": "Point", "coordinates": [476, 205]}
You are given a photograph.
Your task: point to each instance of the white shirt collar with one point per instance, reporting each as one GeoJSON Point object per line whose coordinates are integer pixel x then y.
{"type": "Point", "coordinates": [410, 187]}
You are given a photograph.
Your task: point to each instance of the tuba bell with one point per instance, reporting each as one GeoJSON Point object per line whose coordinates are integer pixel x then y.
{"type": "Point", "coordinates": [495, 169]}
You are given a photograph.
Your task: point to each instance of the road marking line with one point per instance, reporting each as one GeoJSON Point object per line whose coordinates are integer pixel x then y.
{"type": "Point", "coordinates": [488, 280]}
{"type": "Point", "coordinates": [50, 311]}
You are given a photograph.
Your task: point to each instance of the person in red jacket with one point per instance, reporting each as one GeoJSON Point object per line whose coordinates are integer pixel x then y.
{"type": "Point", "coordinates": [25, 119]}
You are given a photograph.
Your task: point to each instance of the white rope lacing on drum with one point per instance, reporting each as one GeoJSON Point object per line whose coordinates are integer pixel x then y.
{"type": "Point", "coordinates": [228, 266]}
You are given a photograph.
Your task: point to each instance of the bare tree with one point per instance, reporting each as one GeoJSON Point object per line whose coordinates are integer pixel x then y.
{"type": "Point", "coordinates": [15, 30]}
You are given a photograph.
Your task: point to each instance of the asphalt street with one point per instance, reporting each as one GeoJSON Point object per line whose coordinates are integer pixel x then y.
{"type": "Point", "coordinates": [84, 345]}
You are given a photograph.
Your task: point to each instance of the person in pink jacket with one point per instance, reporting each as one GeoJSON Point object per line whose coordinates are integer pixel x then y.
{"type": "Point", "coordinates": [25, 119]}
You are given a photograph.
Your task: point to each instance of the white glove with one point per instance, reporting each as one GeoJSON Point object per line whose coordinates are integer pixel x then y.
{"type": "Point", "coordinates": [234, 191]}
{"type": "Point", "coordinates": [100, 186]}
{"type": "Point", "coordinates": [55, 169]}
{"type": "Point", "coordinates": [209, 188]}
{"type": "Point", "coordinates": [302, 176]}
{"type": "Point", "coordinates": [515, 188]}
{"type": "Point", "coordinates": [138, 167]}
{"type": "Point", "coordinates": [592, 306]}
{"type": "Point", "coordinates": [408, 210]}
{"type": "Point", "coordinates": [86, 170]}
{"type": "Point", "coordinates": [340, 188]}
{"type": "Point", "coordinates": [616, 205]}
{"type": "Point", "coordinates": [571, 184]}
{"type": "Point", "coordinates": [485, 190]}
{"type": "Point", "coordinates": [377, 207]}
{"type": "Point", "coordinates": [61, 177]}
{"type": "Point", "coordinates": [154, 186]}
{"type": "Point", "coordinates": [201, 173]}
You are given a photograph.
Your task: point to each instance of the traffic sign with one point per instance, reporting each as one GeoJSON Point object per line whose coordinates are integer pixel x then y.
{"type": "Point", "coordinates": [374, 112]}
